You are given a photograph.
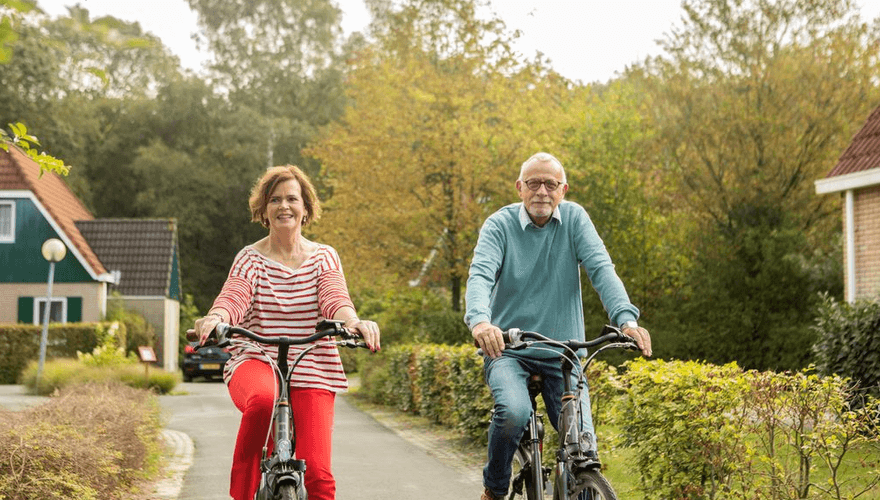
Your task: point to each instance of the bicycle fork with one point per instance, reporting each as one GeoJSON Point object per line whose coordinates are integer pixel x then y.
{"type": "Point", "coordinates": [572, 454]}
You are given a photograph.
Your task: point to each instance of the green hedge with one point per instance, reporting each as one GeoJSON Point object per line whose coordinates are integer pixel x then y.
{"type": "Point", "coordinates": [20, 344]}
{"type": "Point", "coordinates": [701, 431]}
{"type": "Point", "coordinates": [849, 341]}
{"type": "Point", "coordinates": [695, 430]}
{"type": "Point", "coordinates": [442, 382]}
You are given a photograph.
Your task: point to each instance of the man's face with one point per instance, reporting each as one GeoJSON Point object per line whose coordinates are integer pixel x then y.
{"type": "Point", "coordinates": [541, 202]}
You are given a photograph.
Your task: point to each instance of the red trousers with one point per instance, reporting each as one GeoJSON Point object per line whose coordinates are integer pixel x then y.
{"type": "Point", "coordinates": [252, 389]}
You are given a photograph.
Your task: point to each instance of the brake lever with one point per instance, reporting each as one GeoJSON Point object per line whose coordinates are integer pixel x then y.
{"type": "Point", "coordinates": [631, 344]}
{"type": "Point", "coordinates": [219, 336]}
{"type": "Point", "coordinates": [352, 344]}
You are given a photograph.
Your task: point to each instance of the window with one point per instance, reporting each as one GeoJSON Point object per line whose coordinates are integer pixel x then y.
{"type": "Point", "coordinates": [57, 313]}
{"type": "Point", "coordinates": [7, 222]}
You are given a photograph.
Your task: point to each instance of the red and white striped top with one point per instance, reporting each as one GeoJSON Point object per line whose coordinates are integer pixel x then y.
{"type": "Point", "coordinates": [270, 299]}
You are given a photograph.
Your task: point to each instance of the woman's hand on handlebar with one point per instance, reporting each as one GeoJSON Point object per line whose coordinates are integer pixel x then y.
{"type": "Point", "coordinates": [488, 337]}
{"type": "Point", "coordinates": [369, 330]}
{"type": "Point", "coordinates": [204, 327]}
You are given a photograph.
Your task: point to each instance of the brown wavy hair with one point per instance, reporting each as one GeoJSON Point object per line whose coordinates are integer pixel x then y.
{"type": "Point", "coordinates": [267, 183]}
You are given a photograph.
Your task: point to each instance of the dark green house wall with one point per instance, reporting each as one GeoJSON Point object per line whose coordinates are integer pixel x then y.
{"type": "Point", "coordinates": [22, 262]}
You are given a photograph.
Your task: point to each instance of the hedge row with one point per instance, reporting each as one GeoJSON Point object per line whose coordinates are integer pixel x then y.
{"type": "Point", "coordinates": [20, 343]}
{"type": "Point", "coordinates": [446, 384]}
{"type": "Point", "coordinates": [696, 430]}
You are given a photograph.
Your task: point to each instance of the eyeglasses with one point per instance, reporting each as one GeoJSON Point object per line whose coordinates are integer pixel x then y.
{"type": "Point", "coordinates": [535, 184]}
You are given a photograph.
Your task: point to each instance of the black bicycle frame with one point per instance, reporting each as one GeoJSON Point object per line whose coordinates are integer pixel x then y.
{"type": "Point", "coordinates": [281, 467]}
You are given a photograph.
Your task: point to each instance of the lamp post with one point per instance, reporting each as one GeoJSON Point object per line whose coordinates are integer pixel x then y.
{"type": "Point", "coordinates": [54, 251]}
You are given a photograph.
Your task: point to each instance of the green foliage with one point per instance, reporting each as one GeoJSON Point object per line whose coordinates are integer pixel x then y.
{"type": "Point", "coordinates": [739, 134]}
{"type": "Point", "coordinates": [108, 354]}
{"type": "Point", "coordinates": [189, 313]}
{"type": "Point", "coordinates": [443, 383]}
{"type": "Point", "coordinates": [92, 441]}
{"type": "Point", "coordinates": [412, 314]}
{"type": "Point", "coordinates": [138, 331]}
{"type": "Point", "coordinates": [28, 144]}
{"type": "Point", "coordinates": [20, 344]}
{"type": "Point", "coordinates": [59, 374]}
{"type": "Point", "coordinates": [701, 431]}
{"type": "Point", "coordinates": [751, 298]}
{"type": "Point", "coordinates": [684, 422]}
{"type": "Point", "coordinates": [448, 108]}
{"type": "Point", "coordinates": [848, 341]}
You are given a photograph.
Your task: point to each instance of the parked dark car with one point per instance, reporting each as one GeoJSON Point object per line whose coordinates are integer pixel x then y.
{"type": "Point", "coordinates": [205, 362]}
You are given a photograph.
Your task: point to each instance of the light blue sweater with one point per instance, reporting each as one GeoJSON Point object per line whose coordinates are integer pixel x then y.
{"type": "Point", "coordinates": [527, 277]}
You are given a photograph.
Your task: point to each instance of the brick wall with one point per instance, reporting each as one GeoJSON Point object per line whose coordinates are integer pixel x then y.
{"type": "Point", "coordinates": [866, 217]}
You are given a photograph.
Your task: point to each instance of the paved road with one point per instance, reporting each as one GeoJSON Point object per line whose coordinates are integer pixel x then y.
{"type": "Point", "coordinates": [371, 462]}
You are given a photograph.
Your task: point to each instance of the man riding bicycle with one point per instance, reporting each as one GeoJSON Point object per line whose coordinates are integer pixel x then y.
{"type": "Point", "coordinates": [525, 274]}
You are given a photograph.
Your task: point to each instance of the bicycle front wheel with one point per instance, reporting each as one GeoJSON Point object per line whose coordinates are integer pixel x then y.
{"type": "Point", "coordinates": [291, 492]}
{"type": "Point", "coordinates": [589, 485]}
{"type": "Point", "coordinates": [523, 478]}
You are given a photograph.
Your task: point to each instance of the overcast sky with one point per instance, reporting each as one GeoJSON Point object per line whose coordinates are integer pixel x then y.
{"type": "Point", "coordinates": [587, 40]}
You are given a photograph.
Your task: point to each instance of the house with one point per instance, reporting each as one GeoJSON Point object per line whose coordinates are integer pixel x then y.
{"type": "Point", "coordinates": [857, 178]}
{"type": "Point", "coordinates": [145, 255]}
{"type": "Point", "coordinates": [103, 255]}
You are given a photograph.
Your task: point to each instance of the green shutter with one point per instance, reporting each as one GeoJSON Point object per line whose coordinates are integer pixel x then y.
{"type": "Point", "coordinates": [25, 309]}
{"type": "Point", "coordinates": [74, 309]}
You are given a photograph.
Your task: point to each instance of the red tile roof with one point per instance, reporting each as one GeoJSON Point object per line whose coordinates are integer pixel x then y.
{"type": "Point", "coordinates": [19, 172]}
{"type": "Point", "coordinates": [864, 151]}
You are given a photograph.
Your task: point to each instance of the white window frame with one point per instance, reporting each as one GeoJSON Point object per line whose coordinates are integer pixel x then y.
{"type": "Point", "coordinates": [38, 320]}
{"type": "Point", "coordinates": [9, 238]}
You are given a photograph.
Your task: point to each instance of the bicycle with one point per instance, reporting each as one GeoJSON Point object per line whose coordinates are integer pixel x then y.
{"type": "Point", "coordinates": [282, 476]}
{"type": "Point", "coordinates": [577, 469]}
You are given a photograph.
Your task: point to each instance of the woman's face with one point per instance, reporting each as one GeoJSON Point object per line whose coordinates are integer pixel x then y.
{"type": "Point", "coordinates": [285, 208]}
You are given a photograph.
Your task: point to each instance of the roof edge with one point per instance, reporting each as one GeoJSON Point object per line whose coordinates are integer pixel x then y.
{"type": "Point", "coordinates": [846, 182]}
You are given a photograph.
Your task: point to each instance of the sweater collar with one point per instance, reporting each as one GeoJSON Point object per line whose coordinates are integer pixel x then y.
{"type": "Point", "coordinates": [525, 220]}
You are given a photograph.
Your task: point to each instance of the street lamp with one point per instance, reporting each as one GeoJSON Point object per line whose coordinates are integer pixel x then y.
{"type": "Point", "coordinates": [54, 251]}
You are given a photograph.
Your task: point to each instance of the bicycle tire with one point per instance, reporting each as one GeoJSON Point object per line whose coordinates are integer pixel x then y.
{"type": "Point", "coordinates": [590, 485]}
{"type": "Point", "coordinates": [291, 492]}
{"type": "Point", "coordinates": [523, 460]}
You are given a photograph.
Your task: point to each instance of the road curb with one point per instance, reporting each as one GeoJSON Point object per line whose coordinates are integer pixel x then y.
{"type": "Point", "coordinates": [179, 451]}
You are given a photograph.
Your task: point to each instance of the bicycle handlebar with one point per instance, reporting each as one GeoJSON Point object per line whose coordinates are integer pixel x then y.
{"type": "Point", "coordinates": [223, 332]}
{"type": "Point", "coordinates": [518, 339]}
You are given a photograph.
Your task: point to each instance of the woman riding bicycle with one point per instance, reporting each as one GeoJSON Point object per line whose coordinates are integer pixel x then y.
{"type": "Point", "coordinates": [285, 284]}
{"type": "Point", "coordinates": [525, 274]}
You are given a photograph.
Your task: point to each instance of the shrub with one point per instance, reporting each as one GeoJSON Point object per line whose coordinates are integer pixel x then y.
{"type": "Point", "coordinates": [92, 441]}
{"type": "Point", "coordinates": [20, 343]}
{"type": "Point", "coordinates": [62, 373]}
{"type": "Point", "coordinates": [683, 420]}
{"type": "Point", "coordinates": [849, 341]}
{"type": "Point", "coordinates": [138, 330]}
{"type": "Point", "coordinates": [701, 431]}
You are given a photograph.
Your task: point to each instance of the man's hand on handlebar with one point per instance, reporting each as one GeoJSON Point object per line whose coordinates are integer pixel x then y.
{"type": "Point", "coordinates": [488, 338]}
{"type": "Point", "coordinates": [642, 338]}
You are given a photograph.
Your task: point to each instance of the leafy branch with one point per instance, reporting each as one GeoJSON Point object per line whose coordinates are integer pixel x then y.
{"type": "Point", "coordinates": [27, 143]}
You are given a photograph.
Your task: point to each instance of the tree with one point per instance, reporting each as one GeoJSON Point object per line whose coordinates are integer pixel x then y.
{"type": "Point", "coordinates": [280, 58]}
{"type": "Point", "coordinates": [757, 100]}
{"type": "Point", "coordinates": [754, 101]}
{"type": "Point", "coordinates": [611, 162]}
{"type": "Point", "coordinates": [27, 73]}
{"type": "Point", "coordinates": [442, 114]}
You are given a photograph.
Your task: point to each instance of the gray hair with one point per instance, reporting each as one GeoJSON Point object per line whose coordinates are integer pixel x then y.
{"type": "Point", "coordinates": [541, 158]}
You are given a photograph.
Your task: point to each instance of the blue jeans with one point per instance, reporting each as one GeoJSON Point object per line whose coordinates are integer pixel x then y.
{"type": "Point", "coordinates": [507, 377]}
